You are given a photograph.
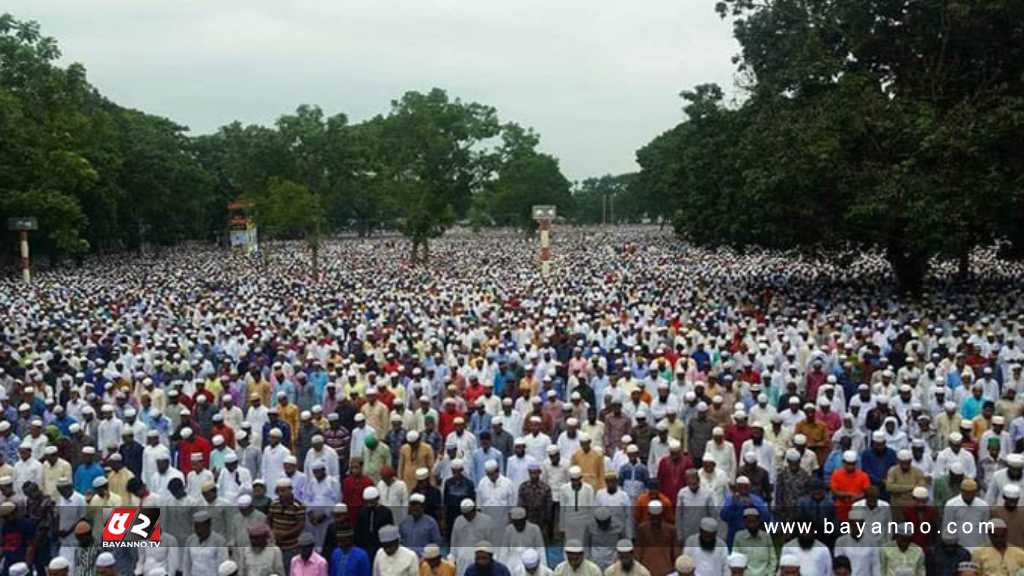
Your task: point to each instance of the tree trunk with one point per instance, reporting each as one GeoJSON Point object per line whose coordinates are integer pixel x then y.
{"type": "Point", "coordinates": [963, 272]}
{"type": "Point", "coordinates": [413, 254]}
{"type": "Point", "coordinates": [315, 249]}
{"type": "Point", "coordinates": [909, 266]}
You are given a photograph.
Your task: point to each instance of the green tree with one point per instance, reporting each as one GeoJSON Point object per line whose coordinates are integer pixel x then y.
{"type": "Point", "coordinates": [290, 210]}
{"type": "Point", "coordinates": [429, 162]}
{"type": "Point", "coordinates": [885, 125]}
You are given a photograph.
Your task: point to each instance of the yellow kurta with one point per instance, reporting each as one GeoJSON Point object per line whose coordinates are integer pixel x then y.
{"type": "Point", "coordinates": [592, 465]}
{"type": "Point", "coordinates": [377, 418]}
{"type": "Point", "coordinates": [408, 462]}
{"type": "Point", "coordinates": [992, 563]}
{"type": "Point", "coordinates": [118, 483]}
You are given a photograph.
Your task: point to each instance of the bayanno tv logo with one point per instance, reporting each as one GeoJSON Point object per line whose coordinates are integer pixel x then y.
{"type": "Point", "coordinates": [132, 528]}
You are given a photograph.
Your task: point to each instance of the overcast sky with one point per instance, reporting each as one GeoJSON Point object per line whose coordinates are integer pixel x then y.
{"type": "Point", "coordinates": [596, 79]}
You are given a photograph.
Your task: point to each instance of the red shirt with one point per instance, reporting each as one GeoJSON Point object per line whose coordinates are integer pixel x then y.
{"type": "Point", "coordinates": [352, 492]}
{"type": "Point", "coordinates": [224, 431]}
{"type": "Point", "coordinates": [738, 435]}
{"type": "Point", "coordinates": [187, 447]}
{"type": "Point", "coordinates": [447, 424]}
{"type": "Point", "coordinates": [672, 475]}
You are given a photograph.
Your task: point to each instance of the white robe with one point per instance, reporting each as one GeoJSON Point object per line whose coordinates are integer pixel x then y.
{"type": "Point", "coordinates": [273, 464]}
{"type": "Point", "coordinates": [465, 536]}
{"type": "Point", "coordinates": [513, 543]}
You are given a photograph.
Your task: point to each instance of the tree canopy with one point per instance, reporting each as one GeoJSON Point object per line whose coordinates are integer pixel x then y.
{"type": "Point", "coordinates": [888, 125]}
{"type": "Point", "coordinates": [99, 176]}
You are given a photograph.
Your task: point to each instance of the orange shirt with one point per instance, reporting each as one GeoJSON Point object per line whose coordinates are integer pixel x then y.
{"type": "Point", "coordinates": [640, 512]}
{"type": "Point", "coordinates": [855, 482]}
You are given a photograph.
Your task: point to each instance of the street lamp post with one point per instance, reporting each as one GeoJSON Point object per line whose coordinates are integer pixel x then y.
{"type": "Point", "coordinates": [23, 226]}
{"type": "Point", "coordinates": [544, 215]}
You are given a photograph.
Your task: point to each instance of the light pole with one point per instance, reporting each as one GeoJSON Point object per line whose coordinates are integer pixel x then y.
{"type": "Point", "coordinates": [22, 226]}
{"type": "Point", "coordinates": [544, 215]}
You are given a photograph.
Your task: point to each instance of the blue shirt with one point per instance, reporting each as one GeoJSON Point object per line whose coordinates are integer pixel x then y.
{"type": "Point", "coordinates": [480, 458]}
{"type": "Point", "coordinates": [971, 407]}
{"type": "Point", "coordinates": [84, 476]}
{"type": "Point", "coordinates": [479, 423]}
{"type": "Point", "coordinates": [351, 562]}
{"type": "Point", "coordinates": [496, 569]}
{"type": "Point", "coordinates": [416, 534]}
{"type": "Point", "coordinates": [877, 466]}
{"type": "Point", "coordinates": [832, 463]}
{"type": "Point", "coordinates": [732, 512]}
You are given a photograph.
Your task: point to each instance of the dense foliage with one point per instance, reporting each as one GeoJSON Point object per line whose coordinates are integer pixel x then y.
{"type": "Point", "coordinates": [101, 177]}
{"type": "Point", "coordinates": [894, 125]}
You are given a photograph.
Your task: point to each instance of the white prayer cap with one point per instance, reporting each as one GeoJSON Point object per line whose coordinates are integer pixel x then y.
{"type": "Point", "coordinates": [370, 493]}
{"type": "Point", "coordinates": [956, 467]}
{"type": "Point", "coordinates": [417, 498]}
{"type": "Point", "coordinates": [58, 563]}
{"type": "Point", "coordinates": [412, 436]}
{"type": "Point", "coordinates": [850, 457]}
{"type": "Point", "coordinates": [387, 534]}
{"type": "Point", "coordinates": [674, 445]}
{"type": "Point", "coordinates": [105, 560]}
{"type": "Point", "coordinates": [467, 505]}
{"type": "Point", "coordinates": [919, 492]}
{"type": "Point", "coordinates": [529, 557]}
{"type": "Point", "coordinates": [244, 500]}
{"type": "Point", "coordinates": [624, 545]}
{"type": "Point", "coordinates": [186, 432]}
{"type": "Point", "coordinates": [422, 473]}
{"type": "Point", "coordinates": [574, 546]}
{"type": "Point", "coordinates": [708, 524]}
{"type": "Point", "coordinates": [685, 565]}
{"type": "Point", "coordinates": [878, 436]}
{"type": "Point", "coordinates": [789, 561]}
{"type": "Point", "coordinates": [575, 472]}
{"type": "Point", "coordinates": [286, 483]}
{"type": "Point", "coordinates": [1015, 460]}
{"type": "Point", "coordinates": [19, 569]}
{"type": "Point", "coordinates": [431, 551]}
{"type": "Point", "coordinates": [1011, 491]}
{"type": "Point", "coordinates": [793, 455]}
{"type": "Point", "coordinates": [490, 465]}
{"type": "Point", "coordinates": [737, 560]}
{"type": "Point", "coordinates": [227, 568]}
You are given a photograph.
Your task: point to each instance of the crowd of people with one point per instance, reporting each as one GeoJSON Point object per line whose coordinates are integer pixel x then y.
{"type": "Point", "coordinates": [648, 408]}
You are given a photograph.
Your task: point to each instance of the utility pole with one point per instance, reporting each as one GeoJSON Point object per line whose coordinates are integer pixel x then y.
{"type": "Point", "coordinates": [23, 225]}
{"type": "Point", "coordinates": [544, 215]}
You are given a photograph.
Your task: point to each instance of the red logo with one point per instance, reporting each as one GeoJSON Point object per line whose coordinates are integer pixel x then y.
{"type": "Point", "coordinates": [132, 527]}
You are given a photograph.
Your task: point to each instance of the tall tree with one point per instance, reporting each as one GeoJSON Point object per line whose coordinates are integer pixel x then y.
{"type": "Point", "coordinates": [432, 162]}
{"type": "Point", "coordinates": [886, 125]}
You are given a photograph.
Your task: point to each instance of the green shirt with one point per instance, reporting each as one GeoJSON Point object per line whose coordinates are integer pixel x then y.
{"type": "Point", "coordinates": [893, 559]}
{"type": "Point", "coordinates": [759, 550]}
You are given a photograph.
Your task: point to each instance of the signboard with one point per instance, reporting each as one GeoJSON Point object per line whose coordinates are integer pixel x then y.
{"type": "Point", "coordinates": [22, 223]}
{"type": "Point", "coordinates": [543, 212]}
